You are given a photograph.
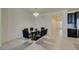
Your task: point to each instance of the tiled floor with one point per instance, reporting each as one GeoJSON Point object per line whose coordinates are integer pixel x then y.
{"type": "Point", "coordinates": [43, 44]}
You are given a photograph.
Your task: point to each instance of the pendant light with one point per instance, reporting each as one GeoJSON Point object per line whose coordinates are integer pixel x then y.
{"type": "Point", "coordinates": [35, 14]}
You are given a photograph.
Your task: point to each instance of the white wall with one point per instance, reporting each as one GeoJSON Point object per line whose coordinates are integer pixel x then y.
{"type": "Point", "coordinates": [4, 25]}
{"type": "Point", "coordinates": [0, 28]}
{"type": "Point", "coordinates": [64, 24]}
{"type": "Point", "coordinates": [18, 19]}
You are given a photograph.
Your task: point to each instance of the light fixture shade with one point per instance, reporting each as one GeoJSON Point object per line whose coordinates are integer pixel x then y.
{"type": "Point", "coordinates": [36, 14]}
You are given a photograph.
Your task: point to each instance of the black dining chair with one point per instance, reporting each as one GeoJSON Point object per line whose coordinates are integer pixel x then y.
{"type": "Point", "coordinates": [31, 29]}
{"type": "Point", "coordinates": [45, 31]}
{"type": "Point", "coordinates": [42, 31]}
{"type": "Point", "coordinates": [26, 33]}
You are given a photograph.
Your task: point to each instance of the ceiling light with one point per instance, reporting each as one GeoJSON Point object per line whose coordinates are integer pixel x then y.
{"type": "Point", "coordinates": [36, 14]}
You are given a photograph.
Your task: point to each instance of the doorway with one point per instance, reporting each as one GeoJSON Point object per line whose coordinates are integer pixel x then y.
{"type": "Point", "coordinates": [56, 27]}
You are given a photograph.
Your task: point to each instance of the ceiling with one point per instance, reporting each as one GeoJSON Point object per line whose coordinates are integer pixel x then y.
{"type": "Point", "coordinates": [47, 10]}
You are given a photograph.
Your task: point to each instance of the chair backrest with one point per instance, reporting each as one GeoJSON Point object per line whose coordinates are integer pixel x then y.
{"type": "Point", "coordinates": [42, 28]}
{"type": "Point", "coordinates": [46, 31]}
{"type": "Point", "coordinates": [31, 29]}
{"type": "Point", "coordinates": [25, 33]}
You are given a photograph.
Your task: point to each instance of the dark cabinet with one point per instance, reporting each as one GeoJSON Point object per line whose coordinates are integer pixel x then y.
{"type": "Point", "coordinates": [72, 20]}
{"type": "Point", "coordinates": [77, 24]}
{"type": "Point", "coordinates": [78, 33]}
{"type": "Point", "coordinates": [72, 33]}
